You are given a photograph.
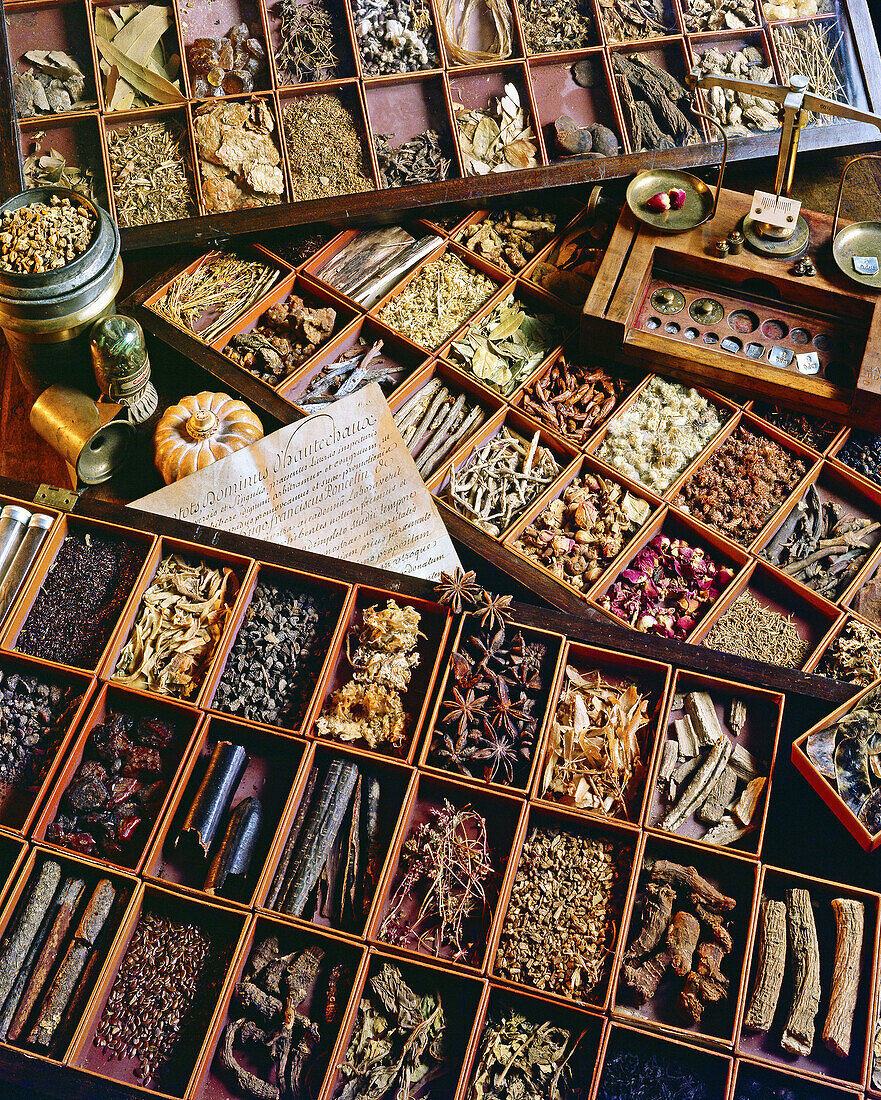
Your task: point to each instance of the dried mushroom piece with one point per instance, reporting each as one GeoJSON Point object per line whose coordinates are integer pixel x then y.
{"type": "Point", "coordinates": [183, 613]}
{"type": "Point", "coordinates": [739, 114]}
{"type": "Point", "coordinates": [719, 15]}
{"type": "Point", "coordinates": [238, 156]}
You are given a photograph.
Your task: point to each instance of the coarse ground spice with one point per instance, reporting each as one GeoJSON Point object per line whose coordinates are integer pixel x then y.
{"type": "Point", "coordinates": [324, 148]}
{"type": "Point", "coordinates": [81, 599]}
{"type": "Point", "coordinates": [559, 930]}
{"type": "Point", "coordinates": [752, 630]}
{"type": "Point", "coordinates": [444, 294]}
{"type": "Point", "coordinates": [44, 236]}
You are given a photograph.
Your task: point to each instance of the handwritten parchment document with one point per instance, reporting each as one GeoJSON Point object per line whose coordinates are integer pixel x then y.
{"type": "Point", "coordinates": [340, 482]}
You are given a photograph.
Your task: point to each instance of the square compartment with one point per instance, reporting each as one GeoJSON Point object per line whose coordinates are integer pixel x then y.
{"type": "Point", "coordinates": [400, 356]}
{"type": "Point", "coordinates": [481, 35]}
{"type": "Point", "coordinates": [142, 207]}
{"type": "Point", "coordinates": [729, 45]}
{"type": "Point", "coordinates": [481, 91]}
{"type": "Point", "coordinates": [313, 298]}
{"type": "Point", "coordinates": [215, 21]}
{"type": "Point", "coordinates": [724, 874]}
{"type": "Point", "coordinates": [180, 861]}
{"type": "Point", "coordinates": [825, 662]}
{"type": "Point", "coordinates": [405, 110]}
{"type": "Point", "coordinates": [672, 59]}
{"type": "Point", "coordinates": [757, 738]}
{"type": "Point", "coordinates": [702, 1067]}
{"type": "Point", "coordinates": [530, 694]}
{"type": "Point", "coordinates": [224, 930]}
{"type": "Point", "coordinates": [853, 450]}
{"type": "Point", "coordinates": [568, 266]}
{"type": "Point", "coordinates": [403, 47]}
{"type": "Point", "coordinates": [846, 64]}
{"type": "Point", "coordinates": [107, 24]}
{"type": "Point", "coordinates": [394, 780]}
{"type": "Point", "coordinates": [299, 245]}
{"type": "Point", "coordinates": [78, 143]}
{"type": "Point", "coordinates": [286, 73]}
{"type": "Point", "coordinates": [51, 27]}
{"type": "Point", "coordinates": [543, 35]}
{"type": "Point", "coordinates": [113, 700]}
{"type": "Point", "coordinates": [26, 786]}
{"type": "Point", "coordinates": [214, 1081]}
{"type": "Point", "coordinates": [618, 671]}
{"type": "Point", "coordinates": [401, 884]}
{"type": "Point", "coordinates": [667, 24]}
{"type": "Point", "coordinates": [87, 618]}
{"type": "Point", "coordinates": [434, 624]}
{"type": "Point", "coordinates": [810, 431]}
{"type": "Point", "coordinates": [557, 94]}
{"type": "Point", "coordinates": [582, 976]}
{"type": "Point", "coordinates": [479, 235]}
{"type": "Point", "coordinates": [821, 1062]}
{"type": "Point", "coordinates": [275, 665]}
{"type": "Point", "coordinates": [753, 1080]}
{"type": "Point", "coordinates": [75, 1008]}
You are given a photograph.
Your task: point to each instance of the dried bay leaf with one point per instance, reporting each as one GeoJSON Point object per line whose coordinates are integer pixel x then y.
{"type": "Point", "coordinates": [140, 35]}
{"type": "Point", "coordinates": [148, 83]}
{"type": "Point", "coordinates": [485, 136]}
{"type": "Point", "coordinates": [520, 153]}
{"type": "Point", "coordinates": [511, 320]}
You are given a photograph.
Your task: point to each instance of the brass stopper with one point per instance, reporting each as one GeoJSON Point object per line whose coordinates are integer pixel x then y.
{"type": "Point", "coordinates": [202, 424]}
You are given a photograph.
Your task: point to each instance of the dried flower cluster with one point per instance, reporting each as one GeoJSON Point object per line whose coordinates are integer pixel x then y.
{"type": "Point", "coordinates": [667, 587]}
{"type": "Point", "coordinates": [369, 706]}
{"type": "Point", "coordinates": [741, 484]}
{"type": "Point", "coordinates": [560, 926]}
{"type": "Point", "coordinates": [594, 758]}
{"type": "Point", "coordinates": [583, 530]}
{"type": "Point", "coordinates": [655, 437]}
{"type": "Point", "coordinates": [854, 656]}
{"type": "Point", "coordinates": [490, 724]}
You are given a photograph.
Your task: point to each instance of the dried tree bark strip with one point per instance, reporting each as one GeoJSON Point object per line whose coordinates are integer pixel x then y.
{"type": "Point", "coordinates": [17, 943]}
{"type": "Point", "coordinates": [719, 795]}
{"type": "Point", "coordinates": [769, 968]}
{"type": "Point", "coordinates": [685, 736]}
{"type": "Point", "coordinates": [798, 1036]}
{"type": "Point", "coordinates": [849, 917]}
{"type": "Point", "coordinates": [704, 777]}
{"type": "Point", "coordinates": [704, 720]}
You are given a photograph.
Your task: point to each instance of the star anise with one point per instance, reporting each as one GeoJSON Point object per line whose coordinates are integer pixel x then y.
{"type": "Point", "coordinates": [505, 712]}
{"type": "Point", "coordinates": [496, 610]}
{"type": "Point", "coordinates": [491, 648]}
{"type": "Point", "coordinates": [499, 753]}
{"type": "Point", "coordinates": [458, 590]}
{"type": "Point", "coordinates": [464, 672]}
{"type": "Point", "coordinates": [465, 708]}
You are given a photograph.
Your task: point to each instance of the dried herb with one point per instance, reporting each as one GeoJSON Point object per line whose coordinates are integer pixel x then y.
{"type": "Point", "coordinates": [561, 924]}
{"type": "Point", "coordinates": [862, 452]}
{"type": "Point", "coordinates": [594, 758]}
{"type": "Point", "coordinates": [459, 590]}
{"type": "Point", "coordinates": [325, 150]}
{"type": "Point", "coordinates": [238, 157]}
{"type": "Point", "coordinates": [656, 103]}
{"type": "Point", "coordinates": [505, 346]}
{"type": "Point", "coordinates": [753, 630]}
{"type": "Point", "coordinates": [299, 244]}
{"type": "Point", "coordinates": [270, 994]}
{"type": "Point", "coordinates": [40, 237]}
{"type": "Point", "coordinates": [394, 36]}
{"type": "Point", "coordinates": [356, 367]}
{"type": "Point", "coordinates": [183, 613]}
{"type": "Point", "coordinates": [814, 50]}
{"type": "Point", "coordinates": [509, 238]}
{"type": "Point", "coordinates": [285, 336]}
{"type": "Point", "coordinates": [822, 545]}
{"type": "Point", "coordinates": [583, 530]}
{"type": "Point", "coordinates": [496, 138]}
{"type": "Point", "coordinates": [573, 400]}
{"type": "Point", "coordinates": [569, 268]}
{"type": "Point", "coordinates": [398, 1042]}
{"type": "Point", "coordinates": [229, 65]}
{"type": "Point", "coordinates": [718, 15]}
{"type": "Point", "coordinates": [667, 588]}
{"type": "Point", "coordinates": [209, 299]}
{"type": "Point", "coordinates": [50, 169]}
{"type": "Point", "coordinates": [524, 1059]}
{"type": "Point", "coordinates": [445, 866]}
{"type": "Point", "coordinates": [854, 656]}
{"type": "Point", "coordinates": [740, 116]}
{"type": "Point", "coordinates": [634, 20]}
{"type": "Point", "coordinates": [489, 725]}
{"type": "Point", "coordinates": [499, 480]}
{"type": "Point", "coordinates": [52, 84]}
{"type": "Point", "coordinates": [434, 304]}
{"type": "Point", "coordinates": [809, 430]}
{"type": "Point", "coordinates": [435, 421]}
{"type": "Point", "coordinates": [308, 37]}
{"type": "Point", "coordinates": [454, 32]}
{"type": "Point", "coordinates": [639, 1075]}
{"type": "Point", "coordinates": [419, 160]}
{"type": "Point", "coordinates": [659, 433]}
{"type": "Point", "coordinates": [550, 26]}
{"type": "Point", "coordinates": [138, 61]}
{"type": "Point", "coordinates": [369, 706]}
{"type": "Point", "coordinates": [150, 173]}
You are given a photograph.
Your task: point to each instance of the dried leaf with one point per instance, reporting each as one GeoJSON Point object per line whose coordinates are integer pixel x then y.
{"type": "Point", "coordinates": [148, 83]}
{"type": "Point", "coordinates": [520, 153]}
{"type": "Point", "coordinates": [485, 136]}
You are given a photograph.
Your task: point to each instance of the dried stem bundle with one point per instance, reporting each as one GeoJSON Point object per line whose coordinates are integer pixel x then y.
{"type": "Point", "coordinates": [455, 33]}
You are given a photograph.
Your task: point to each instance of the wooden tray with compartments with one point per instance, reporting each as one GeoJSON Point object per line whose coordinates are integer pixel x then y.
{"type": "Point", "coordinates": [404, 105]}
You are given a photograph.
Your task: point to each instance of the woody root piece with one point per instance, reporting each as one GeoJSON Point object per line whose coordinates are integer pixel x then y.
{"type": "Point", "coordinates": [849, 919]}
{"type": "Point", "coordinates": [770, 966]}
{"type": "Point", "coordinates": [798, 1035]}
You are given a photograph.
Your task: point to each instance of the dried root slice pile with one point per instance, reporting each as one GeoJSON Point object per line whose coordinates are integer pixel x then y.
{"type": "Point", "coordinates": [792, 924]}
{"type": "Point", "coordinates": [683, 938]}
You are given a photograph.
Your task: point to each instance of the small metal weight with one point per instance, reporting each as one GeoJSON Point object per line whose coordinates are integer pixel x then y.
{"type": "Point", "coordinates": [122, 365]}
{"type": "Point", "coordinates": [95, 446]}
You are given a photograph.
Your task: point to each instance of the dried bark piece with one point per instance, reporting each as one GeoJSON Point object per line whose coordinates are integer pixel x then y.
{"type": "Point", "coordinates": [687, 879]}
{"type": "Point", "coordinates": [769, 968]}
{"type": "Point", "coordinates": [745, 764]}
{"type": "Point", "coordinates": [849, 917]}
{"type": "Point", "coordinates": [744, 809]}
{"type": "Point", "coordinates": [236, 850]}
{"type": "Point", "coordinates": [20, 938]}
{"type": "Point", "coordinates": [718, 798]}
{"type": "Point", "coordinates": [656, 915]}
{"type": "Point", "coordinates": [704, 778]}
{"type": "Point", "coordinates": [704, 720]}
{"type": "Point", "coordinates": [706, 985]}
{"type": "Point", "coordinates": [685, 735]}
{"type": "Point", "coordinates": [736, 716]}
{"type": "Point", "coordinates": [643, 979]}
{"type": "Point", "coordinates": [728, 832]}
{"type": "Point", "coordinates": [798, 1035]}
{"type": "Point", "coordinates": [222, 776]}
{"type": "Point", "coordinates": [683, 934]}
{"type": "Point", "coordinates": [668, 760]}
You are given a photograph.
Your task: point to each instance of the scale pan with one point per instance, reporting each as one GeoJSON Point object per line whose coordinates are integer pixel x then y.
{"type": "Point", "coordinates": [699, 201]}
{"type": "Point", "coordinates": [858, 239]}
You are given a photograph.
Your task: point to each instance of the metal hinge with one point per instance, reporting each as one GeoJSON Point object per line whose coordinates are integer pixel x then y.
{"type": "Point", "coordinates": [53, 497]}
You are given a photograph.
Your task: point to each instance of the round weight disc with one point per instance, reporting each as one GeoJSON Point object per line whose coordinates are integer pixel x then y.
{"type": "Point", "coordinates": [667, 300]}
{"type": "Point", "coordinates": [706, 311]}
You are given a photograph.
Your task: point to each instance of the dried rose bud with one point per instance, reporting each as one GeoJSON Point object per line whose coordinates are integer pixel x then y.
{"type": "Point", "coordinates": [659, 203]}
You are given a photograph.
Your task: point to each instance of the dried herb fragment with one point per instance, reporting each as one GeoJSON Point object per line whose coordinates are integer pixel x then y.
{"type": "Point", "coordinates": [594, 760]}
{"type": "Point", "coordinates": [509, 238]}
{"type": "Point", "coordinates": [637, 1073]}
{"type": "Point", "coordinates": [356, 367]}
{"type": "Point", "coordinates": [496, 138]}
{"type": "Point", "coordinates": [854, 656]}
{"type": "Point", "coordinates": [43, 168]}
{"type": "Point", "coordinates": [229, 65]}
{"type": "Point", "coordinates": [569, 268]}
{"type": "Point", "coordinates": [809, 430]}
{"type": "Point", "coordinates": [656, 103]}
{"type": "Point", "coordinates": [740, 115]}
{"type": "Point", "coordinates": [394, 36]}
{"type": "Point", "coordinates": [814, 49]}
{"type": "Point", "coordinates": [308, 50]}
{"type": "Point", "coordinates": [549, 27]}
{"type": "Point", "coordinates": [183, 613]}
{"type": "Point", "coordinates": [138, 61]}
{"type": "Point", "coordinates": [445, 865]}
{"type": "Point", "coordinates": [719, 15]}
{"type": "Point", "coordinates": [862, 452]}
{"type": "Point", "coordinates": [751, 629]}
{"type": "Point", "coordinates": [419, 160]}
{"type": "Point", "coordinates": [634, 20]}
{"type": "Point", "coordinates": [238, 156]}
{"type": "Point", "coordinates": [522, 1058]}
{"type": "Point", "coordinates": [150, 173]}
{"type": "Point", "coordinates": [398, 1042]}
{"type": "Point", "coordinates": [325, 150]}
{"type": "Point", "coordinates": [52, 83]}
{"type": "Point", "coordinates": [573, 400]}
{"type": "Point", "coordinates": [45, 236]}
